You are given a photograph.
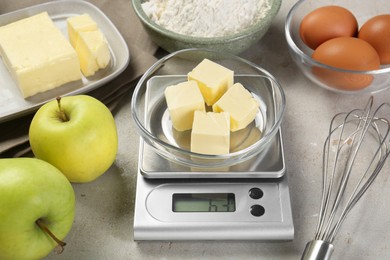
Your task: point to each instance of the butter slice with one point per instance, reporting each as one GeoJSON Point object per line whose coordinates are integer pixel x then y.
{"type": "Point", "coordinates": [79, 23]}
{"type": "Point", "coordinates": [183, 100]}
{"type": "Point", "coordinates": [93, 52]}
{"type": "Point", "coordinates": [213, 80]}
{"type": "Point", "coordinates": [240, 104]}
{"type": "Point", "coordinates": [89, 43]}
{"type": "Point", "coordinates": [37, 55]}
{"type": "Point", "coordinates": [210, 133]}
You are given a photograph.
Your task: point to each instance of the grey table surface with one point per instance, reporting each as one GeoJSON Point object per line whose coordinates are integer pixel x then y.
{"type": "Point", "coordinates": [103, 227]}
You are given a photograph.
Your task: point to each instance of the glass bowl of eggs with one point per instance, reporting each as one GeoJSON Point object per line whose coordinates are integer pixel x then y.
{"type": "Point", "coordinates": [205, 109]}
{"type": "Point", "coordinates": [341, 45]}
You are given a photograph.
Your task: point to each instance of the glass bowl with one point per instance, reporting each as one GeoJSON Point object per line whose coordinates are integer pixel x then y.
{"type": "Point", "coordinates": [329, 77]}
{"type": "Point", "coordinates": [149, 109]}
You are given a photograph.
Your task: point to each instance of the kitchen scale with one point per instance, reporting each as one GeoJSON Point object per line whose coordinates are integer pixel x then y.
{"type": "Point", "coordinates": [247, 201]}
{"type": "Point", "coordinates": [171, 207]}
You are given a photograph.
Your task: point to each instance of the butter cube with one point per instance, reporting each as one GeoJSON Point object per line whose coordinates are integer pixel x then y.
{"type": "Point", "coordinates": [183, 100]}
{"type": "Point", "coordinates": [89, 43]}
{"type": "Point", "coordinates": [210, 133]}
{"type": "Point", "coordinates": [79, 23]}
{"type": "Point", "coordinates": [37, 55]}
{"type": "Point", "coordinates": [93, 52]}
{"type": "Point", "coordinates": [240, 104]}
{"type": "Point", "coordinates": [213, 80]}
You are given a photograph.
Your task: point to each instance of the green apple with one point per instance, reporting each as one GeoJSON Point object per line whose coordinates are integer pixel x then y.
{"type": "Point", "coordinates": [37, 207]}
{"type": "Point", "coordinates": [76, 134]}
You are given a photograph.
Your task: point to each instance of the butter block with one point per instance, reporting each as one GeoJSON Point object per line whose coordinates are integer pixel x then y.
{"type": "Point", "coordinates": [213, 80]}
{"type": "Point", "coordinates": [93, 52]}
{"type": "Point", "coordinates": [240, 104]}
{"type": "Point", "coordinates": [210, 133]}
{"type": "Point", "coordinates": [37, 54]}
{"type": "Point", "coordinates": [79, 23]}
{"type": "Point", "coordinates": [183, 100]}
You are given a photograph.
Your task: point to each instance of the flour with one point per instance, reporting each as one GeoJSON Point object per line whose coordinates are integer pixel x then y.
{"type": "Point", "coordinates": [206, 18]}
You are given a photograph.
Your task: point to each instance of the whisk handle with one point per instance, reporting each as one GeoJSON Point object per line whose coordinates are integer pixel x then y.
{"type": "Point", "coordinates": [317, 250]}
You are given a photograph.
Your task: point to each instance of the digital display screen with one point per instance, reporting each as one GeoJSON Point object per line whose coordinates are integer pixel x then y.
{"type": "Point", "coordinates": [203, 202]}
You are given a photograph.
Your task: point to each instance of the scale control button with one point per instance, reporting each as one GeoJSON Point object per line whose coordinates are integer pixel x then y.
{"type": "Point", "coordinates": [257, 210]}
{"type": "Point", "coordinates": [256, 193]}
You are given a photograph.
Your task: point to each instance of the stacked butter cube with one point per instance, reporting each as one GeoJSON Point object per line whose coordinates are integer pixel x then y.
{"type": "Point", "coordinates": [89, 42]}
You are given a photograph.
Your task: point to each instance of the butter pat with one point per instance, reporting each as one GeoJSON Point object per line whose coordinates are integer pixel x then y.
{"type": "Point", "coordinates": [183, 100]}
{"type": "Point", "coordinates": [210, 133]}
{"type": "Point", "coordinates": [240, 104]}
{"type": "Point", "coordinates": [37, 55]}
{"type": "Point", "coordinates": [79, 23]}
{"type": "Point", "coordinates": [213, 80]}
{"type": "Point", "coordinates": [93, 52]}
{"type": "Point", "coordinates": [89, 43]}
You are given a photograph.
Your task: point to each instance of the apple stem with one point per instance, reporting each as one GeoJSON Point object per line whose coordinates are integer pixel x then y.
{"type": "Point", "coordinates": [61, 244]}
{"type": "Point", "coordinates": [62, 113]}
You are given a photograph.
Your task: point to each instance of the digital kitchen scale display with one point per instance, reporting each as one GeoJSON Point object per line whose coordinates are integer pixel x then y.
{"type": "Point", "coordinates": [171, 208]}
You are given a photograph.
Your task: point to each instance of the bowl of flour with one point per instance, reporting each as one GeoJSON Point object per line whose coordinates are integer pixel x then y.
{"type": "Point", "coordinates": [221, 25]}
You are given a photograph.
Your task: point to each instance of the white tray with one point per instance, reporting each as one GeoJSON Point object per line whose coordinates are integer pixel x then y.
{"type": "Point", "coordinates": [12, 103]}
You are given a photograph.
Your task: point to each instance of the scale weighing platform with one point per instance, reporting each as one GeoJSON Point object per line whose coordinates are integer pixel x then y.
{"type": "Point", "coordinates": [248, 201]}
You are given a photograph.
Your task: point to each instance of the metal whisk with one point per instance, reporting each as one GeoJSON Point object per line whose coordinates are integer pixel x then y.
{"type": "Point", "coordinates": [358, 143]}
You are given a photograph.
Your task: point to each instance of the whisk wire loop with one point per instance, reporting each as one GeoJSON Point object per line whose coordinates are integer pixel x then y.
{"type": "Point", "coordinates": [348, 144]}
{"type": "Point", "coordinates": [328, 179]}
{"type": "Point", "coordinates": [382, 153]}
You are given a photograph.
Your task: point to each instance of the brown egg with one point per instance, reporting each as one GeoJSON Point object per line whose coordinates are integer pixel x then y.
{"type": "Point", "coordinates": [376, 31]}
{"type": "Point", "coordinates": [346, 53]}
{"type": "Point", "coordinates": [325, 23]}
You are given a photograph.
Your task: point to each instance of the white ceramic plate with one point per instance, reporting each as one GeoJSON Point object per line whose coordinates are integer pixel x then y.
{"type": "Point", "coordinates": [12, 103]}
